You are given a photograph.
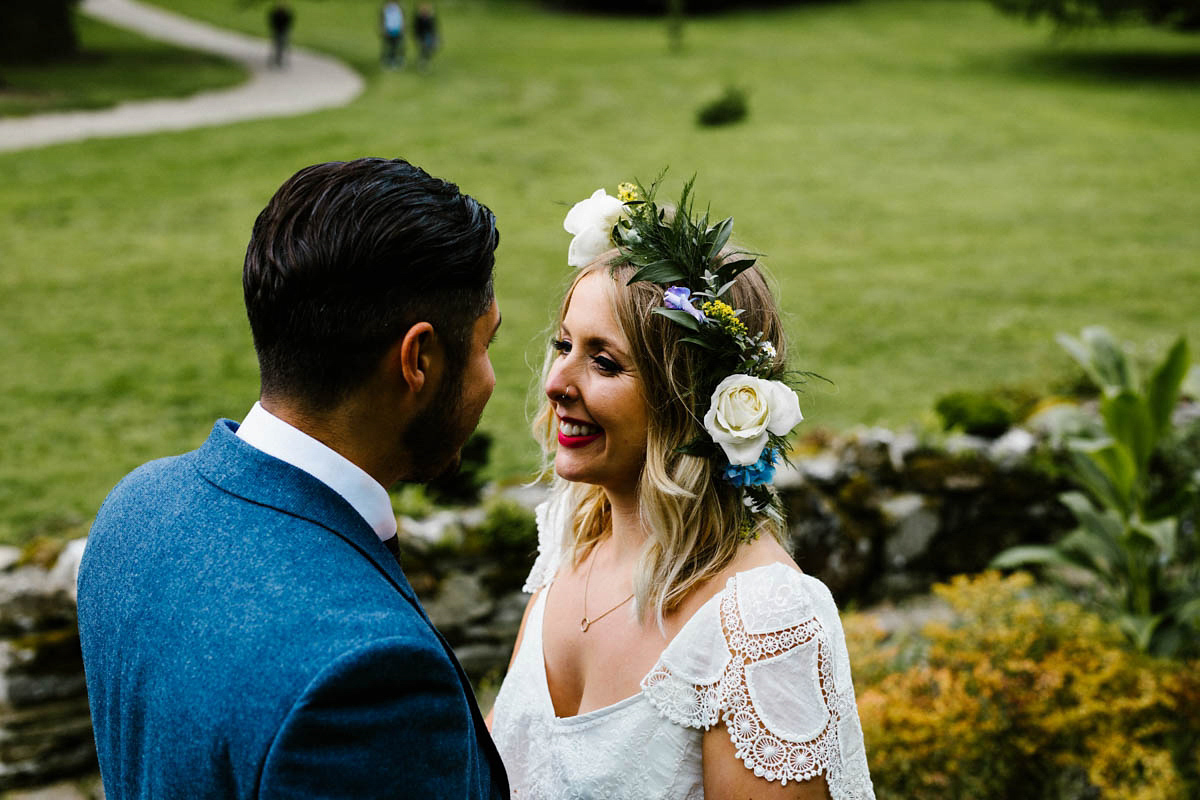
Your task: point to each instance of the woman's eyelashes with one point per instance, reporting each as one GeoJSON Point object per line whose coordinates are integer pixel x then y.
{"type": "Point", "coordinates": [603, 364]}
{"type": "Point", "coordinates": [606, 365]}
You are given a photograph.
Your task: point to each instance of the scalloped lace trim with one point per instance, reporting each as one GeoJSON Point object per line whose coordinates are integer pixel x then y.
{"type": "Point", "coordinates": [836, 751]}
{"type": "Point", "coordinates": [549, 550]}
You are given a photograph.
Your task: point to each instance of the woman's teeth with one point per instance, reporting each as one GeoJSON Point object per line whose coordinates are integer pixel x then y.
{"type": "Point", "coordinates": [573, 430]}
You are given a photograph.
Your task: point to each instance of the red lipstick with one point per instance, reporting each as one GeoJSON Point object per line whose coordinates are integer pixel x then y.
{"type": "Point", "coordinates": [575, 441]}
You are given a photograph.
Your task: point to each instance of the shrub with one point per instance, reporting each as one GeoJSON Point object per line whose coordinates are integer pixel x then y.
{"type": "Point", "coordinates": [1136, 538]}
{"type": "Point", "coordinates": [36, 30]}
{"type": "Point", "coordinates": [1182, 15]}
{"type": "Point", "coordinates": [730, 107]}
{"type": "Point", "coordinates": [976, 413]}
{"type": "Point", "coordinates": [1023, 694]}
{"type": "Point", "coordinates": [464, 485]}
{"type": "Point", "coordinates": [988, 414]}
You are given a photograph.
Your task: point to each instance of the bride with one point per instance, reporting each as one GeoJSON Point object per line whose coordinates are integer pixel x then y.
{"type": "Point", "coordinates": [671, 648]}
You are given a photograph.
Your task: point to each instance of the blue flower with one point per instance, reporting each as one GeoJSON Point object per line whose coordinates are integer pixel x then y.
{"type": "Point", "coordinates": [679, 298]}
{"type": "Point", "coordinates": [760, 472]}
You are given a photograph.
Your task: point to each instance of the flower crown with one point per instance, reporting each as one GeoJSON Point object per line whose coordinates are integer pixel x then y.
{"type": "Point", "coordinates": [751, 414]}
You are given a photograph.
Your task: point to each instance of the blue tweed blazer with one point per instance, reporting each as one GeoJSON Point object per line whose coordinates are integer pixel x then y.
{"type": "Point", "coordinates": [246, 635]}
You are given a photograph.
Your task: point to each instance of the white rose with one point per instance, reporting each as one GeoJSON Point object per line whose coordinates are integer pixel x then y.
{"type": "Point", "coordinates": [744, 410]}
{"type": "Point", "coordinates": [591, 222]}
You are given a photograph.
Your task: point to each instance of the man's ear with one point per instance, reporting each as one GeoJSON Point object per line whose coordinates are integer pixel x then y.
{"type": "Point", "coordinates": [416, 359]}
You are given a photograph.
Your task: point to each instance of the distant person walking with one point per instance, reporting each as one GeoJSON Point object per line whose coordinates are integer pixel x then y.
{"type": "Point", "coordinates": [280, 19]}
{"type": "Point", "coordinates": [425, 31]}
{"type": "Point", "coordinates": [391, 25]}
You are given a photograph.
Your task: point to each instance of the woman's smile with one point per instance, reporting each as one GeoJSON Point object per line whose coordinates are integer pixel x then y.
{"type": "Point", "coordinates": [573, 433]}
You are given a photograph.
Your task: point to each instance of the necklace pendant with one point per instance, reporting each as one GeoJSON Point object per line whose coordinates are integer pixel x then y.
{"type": "Point", "coordinates": [584, 624]}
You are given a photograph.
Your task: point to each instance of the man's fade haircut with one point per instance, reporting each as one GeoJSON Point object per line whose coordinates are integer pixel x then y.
{"type": "Point", "coordinates": [346, 257]}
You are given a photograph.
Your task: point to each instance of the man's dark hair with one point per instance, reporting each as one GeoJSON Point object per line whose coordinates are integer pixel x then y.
{"type": "Point", "coordinates": [346, 257]}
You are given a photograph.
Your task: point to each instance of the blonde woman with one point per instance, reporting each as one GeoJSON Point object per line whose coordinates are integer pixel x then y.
{"type": "Point", "coordinates": [671, 648]}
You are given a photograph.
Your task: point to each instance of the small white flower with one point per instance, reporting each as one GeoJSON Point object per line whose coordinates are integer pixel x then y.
{"type": "Point", "coordinates": [591, 222]}
{"type": "Point", "coordinates": [768, 348]}
{"type": "Point", "coordinates": [744, 410]}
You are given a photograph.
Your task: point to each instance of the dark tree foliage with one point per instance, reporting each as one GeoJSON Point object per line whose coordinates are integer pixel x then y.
{"type": "Point", "coordinates": [1181, 15]}
{"type": "Point", "coordinates": [662, 7]}
{"type": "Point", "coordinates": [36, 30]}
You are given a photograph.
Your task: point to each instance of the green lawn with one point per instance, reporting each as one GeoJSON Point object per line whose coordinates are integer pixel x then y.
{"type": "Point", "coordinates": [112, 65]}
{"type": "Point", "coordinates": [940, 189]}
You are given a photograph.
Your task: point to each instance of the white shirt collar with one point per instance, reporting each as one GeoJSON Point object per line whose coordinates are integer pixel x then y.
{"type": "Point", "coordinates": [266, 432]}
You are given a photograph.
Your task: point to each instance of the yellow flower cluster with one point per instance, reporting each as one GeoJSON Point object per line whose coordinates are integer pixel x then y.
{"type": "Point", "coordinates": [723, 314]}
{"type": "Point", "coordinates": [1019, 684]}
{"type": "Point", "coordinates": [627, 192]}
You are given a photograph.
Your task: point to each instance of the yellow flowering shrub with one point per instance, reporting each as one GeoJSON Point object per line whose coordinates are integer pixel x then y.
{"type": "Point", "coordinates": [1022, 695]}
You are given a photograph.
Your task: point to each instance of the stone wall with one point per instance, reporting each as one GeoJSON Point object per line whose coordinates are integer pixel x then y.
{"type": "Point", "coordinates": [880, 516]}
{"type": "Point", "coordinates": [877, 516]}
{"type": "Point", "coordinates": [45, 729]}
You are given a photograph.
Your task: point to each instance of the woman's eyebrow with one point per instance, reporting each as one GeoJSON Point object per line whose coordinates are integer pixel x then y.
{"type": "Point", "coordinates": [598, 343]}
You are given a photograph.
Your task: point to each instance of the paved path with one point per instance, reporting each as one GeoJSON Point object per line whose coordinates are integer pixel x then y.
{"type": "Point", "coordinates": [308, 83]}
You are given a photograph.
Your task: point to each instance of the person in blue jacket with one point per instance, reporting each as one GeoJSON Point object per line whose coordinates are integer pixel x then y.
{"type": "Point", "coordinates": [247, 630]}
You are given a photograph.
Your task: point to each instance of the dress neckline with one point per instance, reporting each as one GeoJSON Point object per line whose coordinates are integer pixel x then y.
{"type": "Point", "coordinates": [595, 713]}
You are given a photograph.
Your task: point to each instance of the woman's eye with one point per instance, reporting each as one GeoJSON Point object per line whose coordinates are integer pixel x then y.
{"type": "Point", "coordinates": [606, 364]}
{"type": "Point", "coordinates": [561, 345]}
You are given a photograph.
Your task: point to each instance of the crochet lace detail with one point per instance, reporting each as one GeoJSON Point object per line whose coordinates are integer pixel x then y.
{"type": "Point", "coordinates": [780, 683]}
{"type": "Point", "coordinates": [551, 522]}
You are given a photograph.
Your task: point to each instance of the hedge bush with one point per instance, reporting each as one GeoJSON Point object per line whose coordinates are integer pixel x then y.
{"type": "Point", "coordinates": [1024, 694]}
{"type": "Point", "coordinates": [36, 30]}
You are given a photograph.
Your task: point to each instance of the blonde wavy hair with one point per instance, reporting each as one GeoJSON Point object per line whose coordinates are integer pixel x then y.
{"type": "Point", "coordinates": [693, 518]}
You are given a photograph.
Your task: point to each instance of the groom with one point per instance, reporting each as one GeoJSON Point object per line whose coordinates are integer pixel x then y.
{"type": "Point", "coordinates": [247, 630]}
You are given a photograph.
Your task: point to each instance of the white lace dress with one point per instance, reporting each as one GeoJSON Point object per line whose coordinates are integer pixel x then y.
{"type": "Point", "coordinates": [766, 655]}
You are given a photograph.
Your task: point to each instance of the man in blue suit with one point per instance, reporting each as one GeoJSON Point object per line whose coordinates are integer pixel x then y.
{"type": "Point", "coordinates": [247, 630]}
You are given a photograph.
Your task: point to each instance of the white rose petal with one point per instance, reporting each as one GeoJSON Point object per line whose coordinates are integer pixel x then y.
{"type": "Point", "coordinates": [591, 222]}
{"type": "Point", "coordinates": [744, 409]}
{"type": "Point", "coordinates": [587, 246]}
{"type": "Point", "coordinates": [592, 212]}
{"type": "Point", "coordinates": [785, 409]}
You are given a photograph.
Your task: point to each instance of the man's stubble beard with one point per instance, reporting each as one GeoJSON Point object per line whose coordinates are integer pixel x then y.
{"type": "Point", "coordinates": [435, 437]}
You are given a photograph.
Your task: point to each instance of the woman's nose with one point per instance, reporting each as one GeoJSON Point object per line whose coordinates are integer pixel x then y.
{"type": "Point", "coordinates": [559, 386]}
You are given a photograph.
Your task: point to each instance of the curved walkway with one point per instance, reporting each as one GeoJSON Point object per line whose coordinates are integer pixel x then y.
{"type": "Point", "coordinates": [308, 83]}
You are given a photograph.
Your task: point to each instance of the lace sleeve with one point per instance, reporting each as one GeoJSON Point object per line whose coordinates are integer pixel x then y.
{"type": "Point", "coordinates": [769, 659]}
{"type": "Point", "coordinates": [551, 517]}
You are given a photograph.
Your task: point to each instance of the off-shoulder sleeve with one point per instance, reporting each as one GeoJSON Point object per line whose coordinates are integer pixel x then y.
{"type": "Point", "coordinates": [767, 656]}
{"type": "Point", "coordinates": [552, 515]}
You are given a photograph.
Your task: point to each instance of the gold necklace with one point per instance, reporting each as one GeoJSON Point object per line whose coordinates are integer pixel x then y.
{"type": "Point", "coordinates": [586, 623]}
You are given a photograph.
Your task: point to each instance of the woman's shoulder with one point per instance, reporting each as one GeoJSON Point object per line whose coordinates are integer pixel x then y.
{"type": "Point", "coordinates": [553, 519]}
{"type": "Point", "coordinates": [767, 656]}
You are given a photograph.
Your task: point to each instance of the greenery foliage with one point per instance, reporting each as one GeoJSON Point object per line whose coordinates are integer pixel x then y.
{"type": "Point", "coordinates": [464, 485]}
{"type": "Point", "coordinates": [36, 30]}
{"type": "Point", "coordinates": [659, 7]}
{"type": "Point", "coordinates": [1183, 15]}
{"type": "Point", "coordinates": [508, 531]}
{"type": "Point", "coordinates": [1022, 694]}
{"type": "Point", "coordinates": [730, 107]}
{"type": "Point", "coordinates": [1132, 538]}
{"type": "Point", "coordinates": [987, 414]}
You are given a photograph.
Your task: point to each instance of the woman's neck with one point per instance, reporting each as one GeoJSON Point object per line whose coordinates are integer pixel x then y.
{"type": "Point", "coordinates": [627, 532]}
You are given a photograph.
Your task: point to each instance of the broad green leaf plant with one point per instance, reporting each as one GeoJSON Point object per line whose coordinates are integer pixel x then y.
{"type": "Point", "coordinates": [1133, 548]}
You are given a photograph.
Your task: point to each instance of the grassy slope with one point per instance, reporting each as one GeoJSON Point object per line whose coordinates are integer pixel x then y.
{"type": "Point", "coordinates": [113, 65]}
{"type": "Point", "coordinates": [940, 190]}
